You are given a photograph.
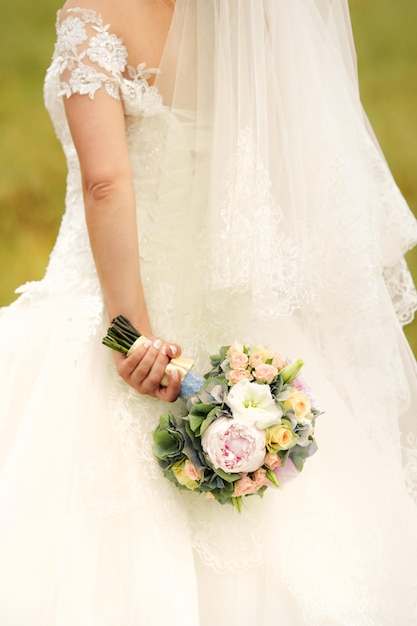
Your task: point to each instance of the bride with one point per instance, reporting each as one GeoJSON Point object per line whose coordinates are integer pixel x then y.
{"type": "Point", "coordinates": [223, 184]}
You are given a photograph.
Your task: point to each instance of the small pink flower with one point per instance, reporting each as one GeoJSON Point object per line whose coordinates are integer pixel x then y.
{"type": "Point", "coordinates": [244, 487]}
{"type": "Point", "coordinates": [260, 479]}
{"type": "Point", "coordinates": [272, 460]}
{"type": "Point", "coordinates": [238, 361]}
{"type": "Point", "coordinates": [265, 373]}
{"type": "Point", "coordinates": [237, 375]}
{"type": "Point", "coordinates": [191, 471]}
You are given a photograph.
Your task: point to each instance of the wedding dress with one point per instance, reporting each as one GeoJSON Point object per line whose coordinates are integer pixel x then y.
{"type": "Point", "coordinates": [267, 214]}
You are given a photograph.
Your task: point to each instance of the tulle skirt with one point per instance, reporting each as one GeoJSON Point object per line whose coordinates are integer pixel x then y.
{"type": "Point", "coordinates": [92, 534]}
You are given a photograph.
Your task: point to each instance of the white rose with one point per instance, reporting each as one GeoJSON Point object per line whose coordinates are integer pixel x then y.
{"type": "Point", "coordinates": [252, 404]}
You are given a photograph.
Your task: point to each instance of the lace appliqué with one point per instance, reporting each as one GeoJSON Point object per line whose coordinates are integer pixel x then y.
{"type": "Point", "coordinates": [104, 49]}
{"type": "Point", "coordinates": [398, 234]}
{"type": "Point", "coordinates": [76, 50]}
{"type": "Point", "coordinates": [402, 291]}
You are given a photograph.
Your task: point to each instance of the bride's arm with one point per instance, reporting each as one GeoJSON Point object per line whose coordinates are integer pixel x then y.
{"type": "Point", "coordinates": [98, 130]}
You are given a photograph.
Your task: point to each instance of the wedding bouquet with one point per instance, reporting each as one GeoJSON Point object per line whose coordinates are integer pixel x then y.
{"type": "Point", "coordinates": [249, 423]}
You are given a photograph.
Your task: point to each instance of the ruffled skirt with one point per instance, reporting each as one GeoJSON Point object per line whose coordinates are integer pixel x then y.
{"type": "Point", "coordinates": [92, 533]}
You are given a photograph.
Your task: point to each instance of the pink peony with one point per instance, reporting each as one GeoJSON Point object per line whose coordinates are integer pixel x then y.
{"type": "Point", "coordinates": [234, 447]}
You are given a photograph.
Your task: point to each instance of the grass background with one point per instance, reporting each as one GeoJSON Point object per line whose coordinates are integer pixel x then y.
{"type": "Point", "coordinates": [32, 168]}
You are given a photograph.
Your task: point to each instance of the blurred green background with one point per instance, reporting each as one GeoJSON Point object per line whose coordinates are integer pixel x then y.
{"type": "Point", "coordinates": [32, 168]}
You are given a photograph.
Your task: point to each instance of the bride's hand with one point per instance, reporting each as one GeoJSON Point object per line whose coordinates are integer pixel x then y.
{"type": "Point", "coordinates": [145, 367]}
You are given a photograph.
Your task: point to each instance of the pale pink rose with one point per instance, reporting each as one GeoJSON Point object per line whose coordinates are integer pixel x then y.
{"type": "Point", "coordinates": [255, 359]}
{"type": "Point", "coordinates": [272, 460]}
{"type": "Point", "coordinates": [278, 361]}
{"type": "Point", "coordinates": [238, 361]}
{"type": "Point", "coordinates": [237, 375]}
{"type": "Point", "coordinates": [191, 471]}
{"type": "Point", "coordinates": [265, 373]}
{"type": "Point", "coordinates": [234, 447]}
{"type": "Point", "coordinates": [244, 487]}
{"type": "Point", "coordinates": [259, 478]}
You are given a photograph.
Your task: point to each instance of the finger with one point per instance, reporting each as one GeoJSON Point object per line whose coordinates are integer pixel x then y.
{"type": "Point", "coordinates": [151, 383]}
{"type": "Point", "coordinates": [139, 365]}
{"type": "Point", "coordinates": [173, 350]}
{"type": "Point", "coordinates": [131, 361]}
{"type": "Point", "coordinates": [172, 391]}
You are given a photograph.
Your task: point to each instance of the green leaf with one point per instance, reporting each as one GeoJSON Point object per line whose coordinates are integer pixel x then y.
{"type": "Point", "coordinates": [211, 417]}
{"type": "Point", "coordinates": [229, 478]}
{"type": "Point", "coordinates": [298, 461]}
{"type": "Point", "coordinates": [200, 409]}
{"type": "Point", "coordinates": [195, 422]}
{"type": "Point", "coordinates": [168, 441]}
{"type": "Point", "coordinates": [237, 503]}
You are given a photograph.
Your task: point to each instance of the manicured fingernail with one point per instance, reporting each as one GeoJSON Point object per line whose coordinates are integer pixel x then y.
{"type": "Point", "coordinates": [164, 350]}
{"type": "Point", "coordinates": [174, 349]}
{"type": "Point", "coordinates": [175, 375]}
{"type": "Point", "coordinates": [157, 344]}
{"type": "Point", "coordinates": [147, 344]}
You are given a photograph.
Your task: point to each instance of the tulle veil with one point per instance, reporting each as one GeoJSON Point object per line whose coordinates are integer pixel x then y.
{"type": "Point", "coordinates": [305, 230]}
{"type": "Point", "coordinates": [304, 217]}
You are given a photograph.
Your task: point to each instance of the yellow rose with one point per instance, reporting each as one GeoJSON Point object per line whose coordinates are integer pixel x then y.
{"type": "Point", "coordinates": [300, 404]}
{"type": "Point", "coordinates": [280, 437]}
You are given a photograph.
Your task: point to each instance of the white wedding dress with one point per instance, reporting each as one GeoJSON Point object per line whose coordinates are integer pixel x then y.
{"type": "Point", "coordinates": [91, 534]}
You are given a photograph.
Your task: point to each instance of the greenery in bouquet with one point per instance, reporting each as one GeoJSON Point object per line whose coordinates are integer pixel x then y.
{"type": "Point", "coordinates": [249, 427]}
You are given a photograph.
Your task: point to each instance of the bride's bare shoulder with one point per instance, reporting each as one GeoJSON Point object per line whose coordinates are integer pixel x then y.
{"type": "Point", "coordinates": [142, 24]}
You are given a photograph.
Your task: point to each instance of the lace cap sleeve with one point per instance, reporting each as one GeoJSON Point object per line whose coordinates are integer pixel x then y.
{"type": "Point", "coordinates": [87, 57]}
